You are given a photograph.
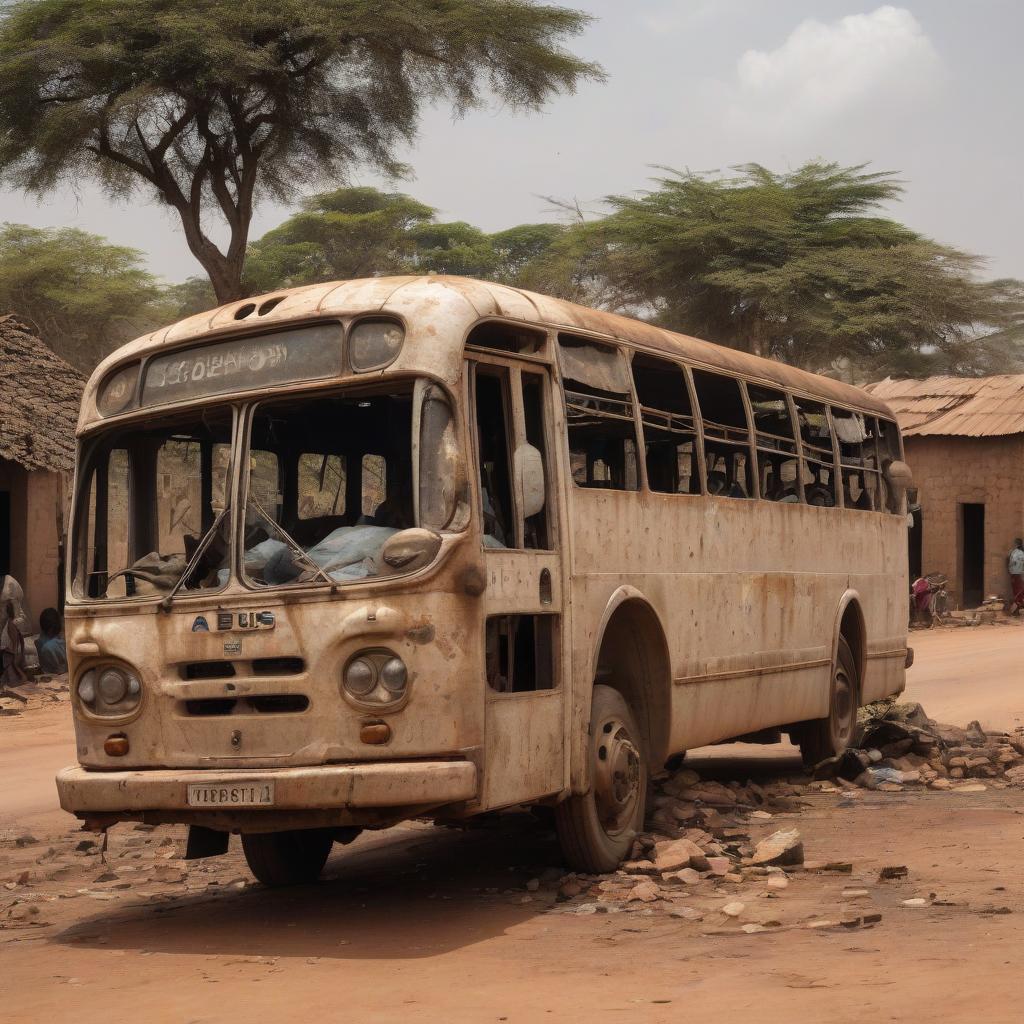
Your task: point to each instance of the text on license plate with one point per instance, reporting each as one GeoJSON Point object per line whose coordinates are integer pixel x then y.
{"type": "Point", "coordinates": [249, 794]}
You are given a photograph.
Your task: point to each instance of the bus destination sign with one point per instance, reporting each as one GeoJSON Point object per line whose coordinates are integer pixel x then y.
{"type": "Point", "coordinates": [312, 352]}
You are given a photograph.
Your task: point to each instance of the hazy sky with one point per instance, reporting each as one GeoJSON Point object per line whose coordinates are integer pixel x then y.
{"type": "Point", "coordinates": [929, 88]}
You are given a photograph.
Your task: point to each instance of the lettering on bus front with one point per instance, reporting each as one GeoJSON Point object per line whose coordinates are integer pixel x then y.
{"type": "Point", "coordinates": [305, 353]}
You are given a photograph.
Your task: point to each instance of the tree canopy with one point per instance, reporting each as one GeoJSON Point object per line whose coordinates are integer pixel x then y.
{"type": "Point", "coordinates": [358, 232]}
{"type": "Point", "coordinates": [80, 294]}
{"type": "Point", "coordinates": [797, 266]}
{"type": "Point", "coordinates": [211, 104]}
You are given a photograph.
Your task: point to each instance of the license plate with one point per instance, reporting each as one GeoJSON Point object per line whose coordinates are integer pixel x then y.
{"type": "Point", "coordinates": [235, 794]}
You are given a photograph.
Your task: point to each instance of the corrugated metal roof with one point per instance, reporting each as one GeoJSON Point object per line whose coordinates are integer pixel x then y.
{"type": "Point", "coordinates": [956, 406]}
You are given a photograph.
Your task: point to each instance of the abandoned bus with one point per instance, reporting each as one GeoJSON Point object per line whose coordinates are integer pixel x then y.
{"type": "Point", "coordinates": [427, 547]}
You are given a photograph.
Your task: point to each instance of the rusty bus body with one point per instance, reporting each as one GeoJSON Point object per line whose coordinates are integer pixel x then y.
{"type": "Point", "coordinates": [559, 611]}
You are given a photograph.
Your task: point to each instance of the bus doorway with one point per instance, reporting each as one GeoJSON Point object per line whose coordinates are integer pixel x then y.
{"type": "Point", "coordinates": [5, 531]}
{"type": "Point", "coordinates": [972, 554]}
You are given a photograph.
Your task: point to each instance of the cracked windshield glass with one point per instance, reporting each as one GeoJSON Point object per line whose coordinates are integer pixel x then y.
{"type": "Point", "coordinates": [330, 483]}
{"type": "Point", "coordinates": [156, 499]}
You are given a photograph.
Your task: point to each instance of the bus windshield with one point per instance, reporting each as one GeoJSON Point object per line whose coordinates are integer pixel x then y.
{"type": "Point", "coordinates": [327, 480]}
{"type": "Point", "coordinates": [151, 496]}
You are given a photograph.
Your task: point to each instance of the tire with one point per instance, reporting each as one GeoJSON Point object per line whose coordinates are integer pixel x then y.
{"type": "Point", "coordinates": [294, 857]}
{"type": "Point", "coordinates": [596, 830]}
{"type": "Point", "coordinates": [826, 737]}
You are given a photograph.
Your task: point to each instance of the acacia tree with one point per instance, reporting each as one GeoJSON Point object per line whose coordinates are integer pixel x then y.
{"type": "Point", "coordinates": [211, 104]}
{"type": "Point", "coordinates": [799, 266]}
{"type": "Point", "coordinates": [80, 294]}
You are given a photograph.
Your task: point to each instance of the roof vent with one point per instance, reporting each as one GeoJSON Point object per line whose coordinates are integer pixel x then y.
{"type": "Point", "coordinates": [243, 311]}
{"type": "Point", "coordinates": [267, 306]}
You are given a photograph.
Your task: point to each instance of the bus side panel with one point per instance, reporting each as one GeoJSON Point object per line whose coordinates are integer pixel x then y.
{"type": "Point", "coordinates": [749, 594]}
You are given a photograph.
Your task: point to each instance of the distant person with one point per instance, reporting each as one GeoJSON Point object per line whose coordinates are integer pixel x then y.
{"type": "Point", "coordinates": [1015, 566]}
{"type": "Point", "coordinates": [13, 627]}
{"type": "Point", "coordinates": [51, 648]}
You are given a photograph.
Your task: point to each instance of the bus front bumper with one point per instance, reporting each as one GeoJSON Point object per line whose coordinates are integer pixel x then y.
{"type": "Point", "coordinates": [333, 787]}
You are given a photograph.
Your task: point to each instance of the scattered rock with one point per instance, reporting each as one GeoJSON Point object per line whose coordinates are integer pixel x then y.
{"type": "Point", "coordinates": [675, 854]}
{"type": "Point", "coordinates": [733, 909]}
{"type": "Point", "coordinates": [887, 874]}
{"type": "Point", "coordinates": [783, 847]}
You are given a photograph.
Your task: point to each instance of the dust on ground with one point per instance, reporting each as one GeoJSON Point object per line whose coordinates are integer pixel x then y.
{"type": "Point", "coordinates": [421, 923]}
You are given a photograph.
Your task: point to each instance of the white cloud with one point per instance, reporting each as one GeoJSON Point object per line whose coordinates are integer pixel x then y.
{"type": "Point", "coordinates": [882, 60]}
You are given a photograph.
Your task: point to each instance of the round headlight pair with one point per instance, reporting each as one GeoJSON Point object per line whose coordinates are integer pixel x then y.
{"type": "Point", "coordinates": [377, 676]}
{"type": "Point", "coordinates": [109, 691]}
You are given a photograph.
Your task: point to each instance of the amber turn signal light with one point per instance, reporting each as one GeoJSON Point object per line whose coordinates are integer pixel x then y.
{"type": "Point", "coordinates": [116, 745]}
{"type": "Point", "coordinates": [375, 732]}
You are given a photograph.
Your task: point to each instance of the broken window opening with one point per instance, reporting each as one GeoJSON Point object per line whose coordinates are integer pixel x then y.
{"type": "Point", "coordinates": [322, 483]}
{"type": "Point", "coordinates": [308, 520]}
{"type": "Point", "coordinates": [599, 415]}
{"type": "Point", "coordinates": [536, 529]}
{"type": "Point", "coordinates": [152, 497]}
{"type": "Point", "coordinates": [726, 435]}
{"type": "Point", "coordinates": [512, 338]}
{"type": "Point", "coordinates": [818, 464]}
{"type": "Point", "coordinates": [776, 444]}
{"type": "Point", "coordinates": [670, 435]}
{"type": "Point", "coordinates": [858, 458]}
{"type": "Point", "coordinates": [493, 417]}
{"type": "Point", "coordinates": [520, 653]}
{"type": "Point", "coordinates": [889, 450]}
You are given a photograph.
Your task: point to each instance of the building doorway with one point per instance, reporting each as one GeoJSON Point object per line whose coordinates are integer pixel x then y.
{"type": "Point", "coordinates": [972, 561]}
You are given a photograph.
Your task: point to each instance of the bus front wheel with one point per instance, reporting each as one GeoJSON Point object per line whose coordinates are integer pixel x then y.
{"type": "Point", "coordinates": [596, 829]}
{"type": "Point", "coordinates": [826, 737]}
{"type": "Point", "coordinates": [287, 858]}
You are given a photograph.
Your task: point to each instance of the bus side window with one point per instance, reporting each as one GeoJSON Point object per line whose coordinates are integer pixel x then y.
{"type": "Point", "coordinates": [669, 432]}
{"type": "Point", "coordinates": [889, 451]}
{"type": "Point", "coordinates": [858, 459]}
{"type": "Point", "coordinates": [818, 468]}
{"type": "Point", "coordinates": [493, 420]}
{"type": "Point", "coordinates": [599, 415]}
{"type": "Point", "coordinates": [726, 435]}
{"type": "Point", "coordinates": [776, 444]}
{"type": "Point", "coordinates": [536, 528]}
{"type": "Point", "coordinates": [321, 485]}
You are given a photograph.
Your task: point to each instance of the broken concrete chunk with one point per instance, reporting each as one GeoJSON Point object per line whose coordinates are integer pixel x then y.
{"type": "Point", "coordinates": [674, 854]}
{"type": "Point", "coordinates": [782, 847]}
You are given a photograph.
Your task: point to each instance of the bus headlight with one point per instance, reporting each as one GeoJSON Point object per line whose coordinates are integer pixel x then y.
{"type": "Point", "coordinates": [394, 676]}
{"type": "Point", "coordinates": [360, 677]}
{"type": "Point", "coordinates": [376, 677]}
{"type": "Point", "coordinates": [87, 687]}
{"type": "Point", "coordinates": [109, 692]}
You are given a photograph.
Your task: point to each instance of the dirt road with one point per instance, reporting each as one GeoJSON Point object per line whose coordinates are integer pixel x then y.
{"type": "Point", "coordinates": [423, 924]}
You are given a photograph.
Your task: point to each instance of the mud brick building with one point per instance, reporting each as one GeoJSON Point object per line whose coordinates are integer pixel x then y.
{"type": "Point", "coordinates": [964, 441]}
{"type": "Point", "coordinates": [39, 397]}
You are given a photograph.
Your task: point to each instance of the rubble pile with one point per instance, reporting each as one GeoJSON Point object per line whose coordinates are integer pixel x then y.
{"type": "Point", "coordinates": [699, 850]}
{"type": "Point", "coordinates": [901, 746]}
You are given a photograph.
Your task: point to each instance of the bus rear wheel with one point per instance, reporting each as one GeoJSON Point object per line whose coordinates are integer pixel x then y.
{"type": "Point", "coordinates": [596, 830]}
{"type": "Point", "coordinates": [287, 858]}
{"type": "Point", "coordinates": [826, 737]}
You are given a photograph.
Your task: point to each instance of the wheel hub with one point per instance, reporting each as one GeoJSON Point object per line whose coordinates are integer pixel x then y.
{"type": "Point", "coordinates": [617, 776]}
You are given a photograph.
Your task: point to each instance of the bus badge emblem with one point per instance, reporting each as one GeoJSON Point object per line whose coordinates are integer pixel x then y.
{"type": "Point", "coordinates": [200, 625]}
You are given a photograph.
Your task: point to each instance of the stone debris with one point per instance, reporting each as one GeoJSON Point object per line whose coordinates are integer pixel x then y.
{"type": "Point", "coordinates": [899, 746]}
{"type": "Point", "coordinates": [782, 848]}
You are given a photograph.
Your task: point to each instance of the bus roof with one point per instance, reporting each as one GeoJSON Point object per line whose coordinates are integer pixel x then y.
{"type": "Point", "coordinates": [454, 299]}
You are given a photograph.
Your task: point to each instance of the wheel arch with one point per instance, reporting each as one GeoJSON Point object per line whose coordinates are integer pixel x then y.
{"type": "Point", "coordinates": [631, 655]}
{"type": "Point", "coordinates": [850, 624]}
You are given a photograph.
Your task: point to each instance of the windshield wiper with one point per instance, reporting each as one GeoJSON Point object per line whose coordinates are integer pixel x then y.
{"type": "Point", "coordinates": [193, 562]}
{"type": "Point", "coordinates": [296, 547]}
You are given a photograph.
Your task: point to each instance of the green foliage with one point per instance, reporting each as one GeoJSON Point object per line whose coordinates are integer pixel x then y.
{"type": "Point", "coordinates": [81, 295]}
{"type": "Point", "coordinates": [798, 267]}
{"type": "Point", "coordinates": [211, 104]}
{"type": "Point", "coordinates": [359, 232]}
